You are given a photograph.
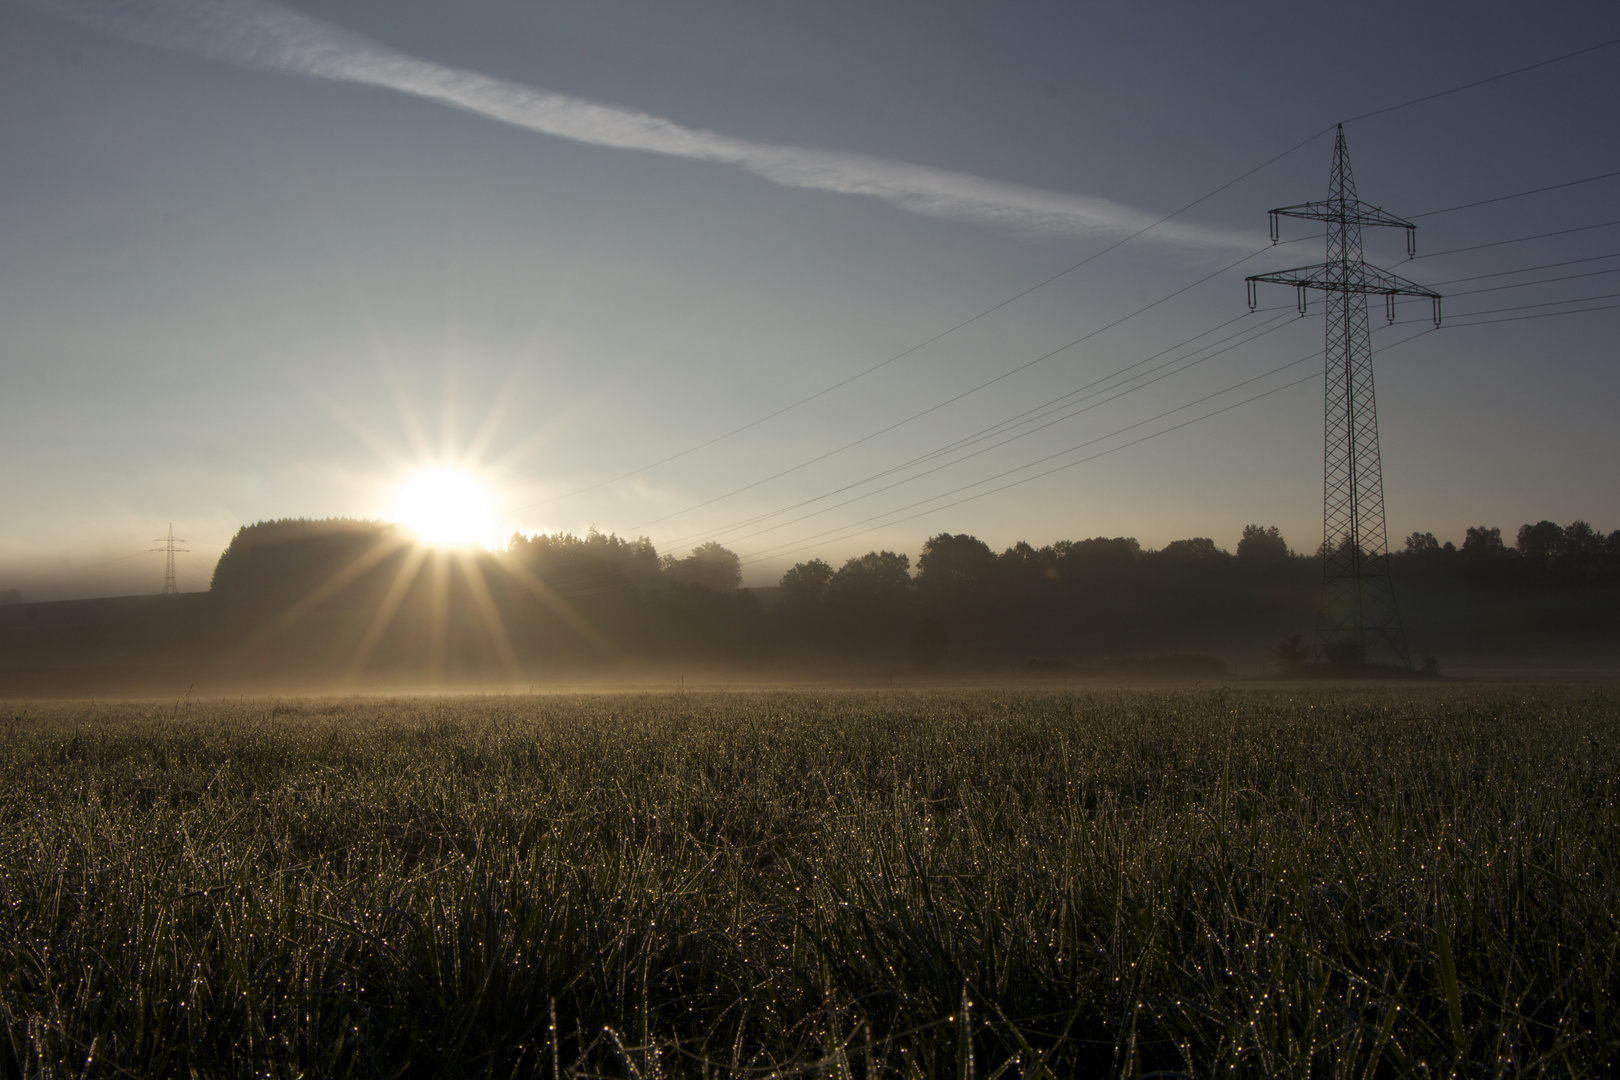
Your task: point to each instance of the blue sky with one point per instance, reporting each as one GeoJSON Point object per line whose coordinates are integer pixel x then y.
{"type": "Point", "coordinates": [256, 266]}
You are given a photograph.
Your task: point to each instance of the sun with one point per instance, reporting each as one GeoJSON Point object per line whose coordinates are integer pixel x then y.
{"type": "Point", "coordinates": [446, 508]}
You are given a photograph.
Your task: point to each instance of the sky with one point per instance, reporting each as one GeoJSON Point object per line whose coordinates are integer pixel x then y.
{"type": "Point", "coordinates": [806, 279]}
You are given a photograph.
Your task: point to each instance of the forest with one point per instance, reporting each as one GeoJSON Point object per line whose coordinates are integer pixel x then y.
{"type": "Point", "coordinates": [353, 603]}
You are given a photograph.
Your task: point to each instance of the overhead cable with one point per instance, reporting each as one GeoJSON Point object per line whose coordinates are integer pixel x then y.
{"type": "Point", "coordinates": [1518, 194]}
{"type": "Point", "coordinates": [775, 553]}
{"type": "Point", "coordinates": [1027, 416]}
{"type": "Point", "coordinates": [1515, 240]}
{"type": "Point", "coordinates": [957, 397]}
{"type": "Point", "coordinates": [1528, 269]}
{"type": "Point", "coordinates": [1481, 82]}
{"type": "Point", "coordinates": [1067, 413]}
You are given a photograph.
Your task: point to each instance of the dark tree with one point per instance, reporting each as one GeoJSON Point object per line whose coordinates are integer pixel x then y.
{"type": "Point", "coordinates": [1262, 545]}
{"type": "Point", "coordinates": [1198, 549]}
{"type": "Point", "coordinates": [1539, 543]}
{"type": "Point", "coordinates": [955, 575]}
{"type": "Point", "coordinates": [872, 591]}
{"type": "Point", "coordinates": [1423, 544]}
{"type": "Point", "coordinates": [1098, 552]}
{"type": "Point", "coordinates": [1023, 561]}
{"type": "Point", "coordinates": [1582, 544]}
{"type": "Point", "coordinates": [710, 566]}
{"type": "Point", "coordinates": [591, 565]}
{"type": "Point", "coordinates": [804, 586]}
{"type": "Point", "coordinates": [1483, 548]}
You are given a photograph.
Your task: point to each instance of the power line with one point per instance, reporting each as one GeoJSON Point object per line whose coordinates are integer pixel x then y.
{"type": "Point", "coordinates": [1549, 303]}
{"type": "Point", "coordinates": [1009, 472]}
{"type": "Point", "coordinates": [1090, 258]}
{"type": "Point", "coordinates": [1546, 303]}
{"type": "Point", "coordinates": [1047, 356]}
{"type": "Point", "coordinates": [990, 431]}
{"type": "Point", "coordinates": [1519, 194]}
{"type": "Point", "coordinates": [1068, 413]}
{"type": "Point", "coordinates": [1517, 307]}
{"type": "Point", "coordinates": [1528, 269]}
{"type": "Point", "coordinates": [804, 542]}
{"type": "Point", "coordinates": [1046, 408]}
{"type": "Point", "coordinates": [944, 333]}
{"type": "Point", "coordinates": [958, 397]}
{"type": "Point", "coordinates": [1071, 449]}
{"type": "Point", "coordinates": [1482, 82]}
{"type": "Point", "coordinates": [1541, 315]}
{"type": "Point", "coordinates": [1446, 210]}
{"type": "Point", "coordinates": [1516, 240]}
{"type": "Point", "coordinates": [776, 553]}
{"type": "Point", "coordinates": [1538, 281]}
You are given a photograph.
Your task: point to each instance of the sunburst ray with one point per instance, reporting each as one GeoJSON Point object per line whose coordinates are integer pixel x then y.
{"type": "Point", "coordinates": [490, 614]}
{"type": "Point", "coordinates": [438, 615]}
{"type": "Point", "coordinates": [561, 607]}
{"type": "Point", "coordinates": [386, 610]}
{"type": "Point", "coordinates": [319, 595]}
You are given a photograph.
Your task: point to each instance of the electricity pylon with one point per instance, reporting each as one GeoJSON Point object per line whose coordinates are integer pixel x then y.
{"type": "Point", "coordinates": [171, 585]}
{"type": "Point", "coordinates": [1358, 602]}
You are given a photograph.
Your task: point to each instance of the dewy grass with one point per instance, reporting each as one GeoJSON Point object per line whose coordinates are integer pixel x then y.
{"type": "Point", "coordinates": [1303, 882]}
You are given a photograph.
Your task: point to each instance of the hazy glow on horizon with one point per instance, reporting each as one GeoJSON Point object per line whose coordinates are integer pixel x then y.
{"type": "Point", "coordinates": [446, 508]}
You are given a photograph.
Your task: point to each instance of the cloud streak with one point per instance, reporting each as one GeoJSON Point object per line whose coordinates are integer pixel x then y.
{"type": "Point", "coordinates": [265, 36]}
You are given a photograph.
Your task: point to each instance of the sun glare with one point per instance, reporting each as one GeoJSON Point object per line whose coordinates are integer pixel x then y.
{"type": "Point", "coordinates": [446, 508]}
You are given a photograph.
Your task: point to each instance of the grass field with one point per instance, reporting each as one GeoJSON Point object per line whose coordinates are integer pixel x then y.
{"type": "Point", "coordinates": [1282, 882]}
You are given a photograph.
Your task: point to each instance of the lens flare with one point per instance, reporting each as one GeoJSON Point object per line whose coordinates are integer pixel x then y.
{"type": "Point", "coordinates": [446, 508]}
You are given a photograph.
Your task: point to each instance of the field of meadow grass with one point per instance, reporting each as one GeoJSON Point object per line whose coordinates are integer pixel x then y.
{"type": "Point", "coordinates": [1301, 881]}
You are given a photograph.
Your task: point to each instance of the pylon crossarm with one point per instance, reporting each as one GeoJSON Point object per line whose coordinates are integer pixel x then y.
{"type": "Point", "coordinates": [1330, 277]}
{"type": "Point", "coordinates": [1344, 213]}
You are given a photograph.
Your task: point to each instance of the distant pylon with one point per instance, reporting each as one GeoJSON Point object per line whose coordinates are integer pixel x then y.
{"type": "Point", "coordinates": [171, 585]}
{"type": "Point", "coordinates": [1358, 602]}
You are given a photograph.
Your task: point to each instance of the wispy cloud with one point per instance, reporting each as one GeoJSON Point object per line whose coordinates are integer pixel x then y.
{"type": "Point", "coordinates": [264, 35]}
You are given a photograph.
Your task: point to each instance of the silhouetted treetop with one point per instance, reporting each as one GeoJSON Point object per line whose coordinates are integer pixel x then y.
{"type": "Point", "coordinates": [804, 585]}
{"type": "Point", "coordinates": [1262, 545]}
{"type": "Point", "coordinates": [290, 554]}
{"type": "Point", "coordinates": [955, 562]}
{"type": "Point", "coordinates": [710, 566]}
{"type": "Point", "coordinates": [283, 530]}
{"type": "Point", "coordinates": [1118, 551]}
{"type": "Point", "coordinates": [1540, 541]}
{"type": "Point", "coordinates": [585, 564]}
{"type": "Point", "coordinates": [873, 590]}
{"type": "Point", "coordinates": [1481, 542]}
{"type": "Point", "coordinates": [1423, 544]}
{"type": "Point", "coordinates": [1198, 549]}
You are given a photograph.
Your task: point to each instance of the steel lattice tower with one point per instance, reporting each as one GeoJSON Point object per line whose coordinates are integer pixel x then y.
{"type": "Point", "coordinates": [1358, 602]}
{"type": "Point", "coordinates": [170, 549]}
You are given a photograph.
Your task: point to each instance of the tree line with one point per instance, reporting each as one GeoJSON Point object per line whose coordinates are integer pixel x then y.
{"type": "Point", "coordinates": [1545, 550]}
{"type": "Point", "coordinates": [567, 600]}
{"type": "Point", "coordinates": [343, 602]}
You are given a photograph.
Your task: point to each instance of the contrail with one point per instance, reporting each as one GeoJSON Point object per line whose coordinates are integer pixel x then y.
{"type": "Point", "coordinates": [263, 35]}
